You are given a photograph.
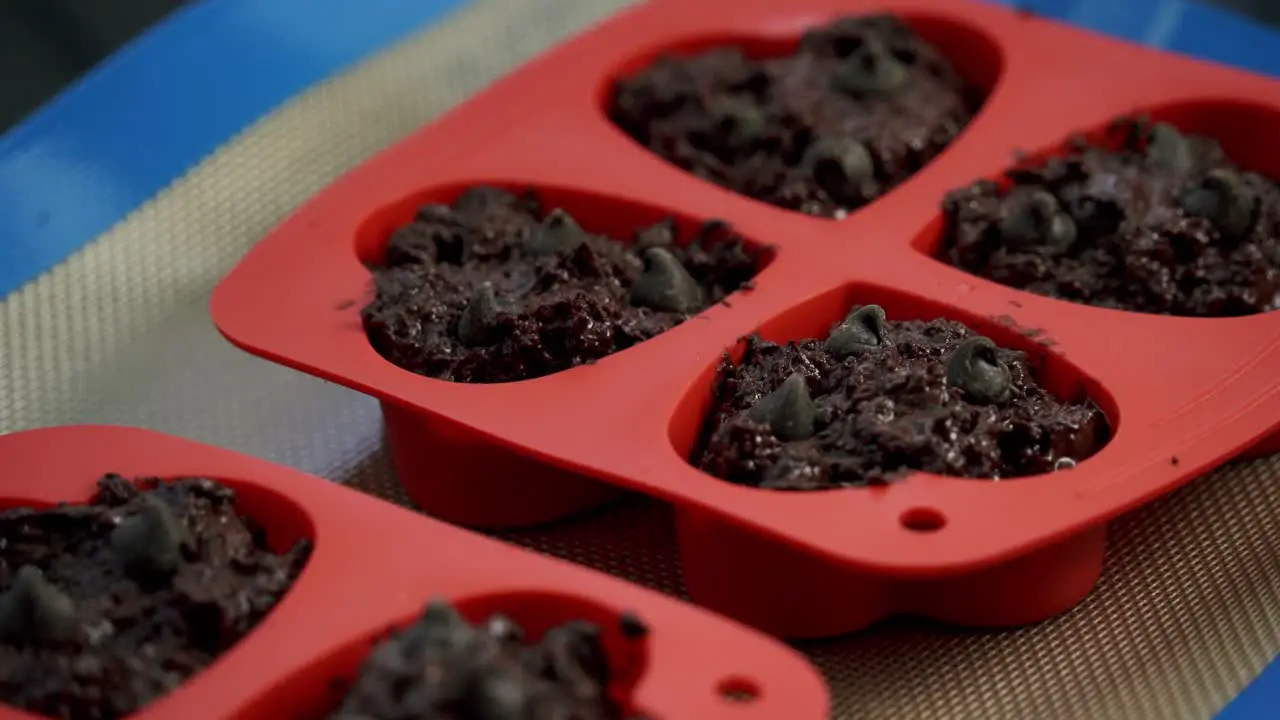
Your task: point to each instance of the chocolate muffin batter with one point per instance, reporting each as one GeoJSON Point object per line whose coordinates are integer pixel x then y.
{"type": "Point", "coordinates": [861, 105]}
{"type": "Point", "coordinates": [1150, 220]}
{"type": "Point", "coordinates": [877, 399]}
{"type": "Point", "coordinates": [494, 289]}
{"type": "Point", "coordinates": [107, 606]}
{"type": "Point", "coordinates": [444, 667]}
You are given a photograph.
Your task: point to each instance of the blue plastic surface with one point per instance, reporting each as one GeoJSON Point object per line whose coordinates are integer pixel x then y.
{"type": "Point", "coordinates": [153, 110]}
{"type": "Point", "coordinates": [156, 108]}
{"type": "Point", "coordinates": [1259, 701]}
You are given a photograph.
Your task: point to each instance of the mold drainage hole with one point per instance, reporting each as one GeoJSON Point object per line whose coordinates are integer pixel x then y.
{"type": "Point", "coordinates": [923, 520]}
{"type": "Point", "coordinates": [738, 690]}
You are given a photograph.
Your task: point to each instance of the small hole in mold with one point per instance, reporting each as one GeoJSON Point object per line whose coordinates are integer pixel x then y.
{"type": "Point", "coordinates": [817, 136]}
{"type": "Point", "coordinates": [89, 550]}
{"type": "Point", "coordinates": [314, 692]}
{"type": "Point", "coordinates": [923, 520]}
{"type": "Point", "coordinates": [828, 439]}
{"type": "Point", "coordinates": [1205, 247]}
{"type": "Point", "coordinates": [738, 690]}
{"type": "Point", "coordinates": [493, 282]}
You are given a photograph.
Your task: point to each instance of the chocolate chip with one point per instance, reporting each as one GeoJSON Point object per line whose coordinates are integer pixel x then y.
{"type": "Point", "coordinates": [504, 629]}
{"type": "Point", "coordinates": [862, 330]}
{"type": "Point", "coordinates": [789, 411]}
{"type": "Point", "coordinates": [559, 233]}
{"type": "Point", "coordinates": [1167, 148]}
{"type": "Point", "coordinates": [575, 654]}
{"type": "Point", "coordinates": [1098, 209]}
{"type": "Point", "coordinates": [496, 696]}
{"type": "Point", "coordinates": [1224, 199]}
{"type": "Point", "coordinates": [478, 323]}
{"type": "Point", "coordinates": [665, 285]}
{"type": "Point", "coordinates": [843, 167]}
{"type": "Point", "coordinates": [1035, 218]}
{"type": "Point", "coordinates": [148, 544]}
{"type": "Point", "coordinates": [35, 611]}
{"type": "Point", "coordinates": [871, 69]}
{"type": "Point", "coordinates": [631, 626]}
{"type": "Point", "coordinates": [976, 371]}
{"type": "Point", "coordinates": [659, 234]}
{"type": "Point", "coordinates": [738, 120]}
{"type": "Point", "coordinates": [439, 626]}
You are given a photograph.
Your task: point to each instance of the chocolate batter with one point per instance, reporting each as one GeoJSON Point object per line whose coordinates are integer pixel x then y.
{"type": "Point", "coordinates": [444, 667]}
{"type": "Point", "coordinates": [1152, 220]}
{"type": "Point", "coordinates": [494, 289]}
{"type": "Point", "coordinates": [877, 399]}
{"type": "Point", "coordinates": [861, 105]}
{"type": "Point", "coordinates": [107, 606]}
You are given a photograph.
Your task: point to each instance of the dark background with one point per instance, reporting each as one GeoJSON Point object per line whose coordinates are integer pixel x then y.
{"type": "Point", "coordinates": [45, 44]}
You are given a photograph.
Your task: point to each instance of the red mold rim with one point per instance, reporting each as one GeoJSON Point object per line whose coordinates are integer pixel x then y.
{"type": "Point", "coordinates": [1181, 406]}
{"type": "Point", "coordinates": [340, 596]}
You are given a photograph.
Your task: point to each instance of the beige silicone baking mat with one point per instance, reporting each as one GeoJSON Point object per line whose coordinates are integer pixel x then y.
{"type": "Point", "coordinates": [1187, 614]}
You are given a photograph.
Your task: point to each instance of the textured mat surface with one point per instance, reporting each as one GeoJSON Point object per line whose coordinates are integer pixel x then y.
{"type": "Point", "coordinates": [1187, 613]}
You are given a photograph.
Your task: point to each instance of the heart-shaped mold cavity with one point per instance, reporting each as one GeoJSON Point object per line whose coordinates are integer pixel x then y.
{"type": "Point", "coordinates": [489, 283]}
{"type": "Point", "coordinates": [1172, 212]}
{"type": "Point", "coordinates": [108, 605]}
{"type": "Point", "coordinates": [839, 392]}
{"type": "Point", "coordinates": [573, 648]}
{"type": "Point", "coordinates": [821, 124]}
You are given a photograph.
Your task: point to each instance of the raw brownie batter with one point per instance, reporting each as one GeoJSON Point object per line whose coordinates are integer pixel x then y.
{"type": "Point", "coordinates": [861, 105]}
{"type": "Point", "coordinates": [497, 288]}
{"type": "Point", "coordinates": [444, 667]}
{"type": "Point", "coordinates": [107, 606]}
{"type": "Point", "coordinates": [1152, 220]}
{"type": "Point", "coordinates": [877, 399]}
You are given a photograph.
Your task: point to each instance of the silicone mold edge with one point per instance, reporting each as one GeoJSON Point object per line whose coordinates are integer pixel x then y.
{"type": "Point", "coordinates": [534, 584]}
{"type": "Point", "coordinates": [769, 584]}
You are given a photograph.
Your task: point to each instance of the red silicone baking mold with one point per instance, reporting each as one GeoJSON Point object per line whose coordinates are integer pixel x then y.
{"type": "Point", "coordinates": [1183, 394]}
{"type": "Point", "coordinates": [373, 567]}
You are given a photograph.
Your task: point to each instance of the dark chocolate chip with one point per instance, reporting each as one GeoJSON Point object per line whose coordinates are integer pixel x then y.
{"type": "Point", "coordinates": [149, 543]}
{"type": "Point", "coordinates": [976, 370]}
{"type": "Point", "coordinates": [740, 121]}
{"type": "Point", "coordinates": [493, 696]}
{"type": "Point", "coordinates": [789, 411]}
{"type": "Point", "coordinates": [1224, 199]}
{"type": "Point", "coordinates": [841, 166]}
{"type": "Point", "coordinates": [440, 626]}
{"type": "Point", "coordinates": [559, 233]}
{"type": "Point", "coordinates": [504, 629]}
{"type": "Point", "coordinates": [1167, 148]}
{"type": "Point", "coordinates": [1099, 210]}
{"type": "Point", "coordinates": [659, 234]}
{"type": "Point", "coordinates": [631, 626]}
{"type": "Point", "coordinates": [1035, 218]}
{"type": "Point", "coordinates": [35, 611]}
{"type": "Point", "coordinates": [871, 70]}
{"type": "Point", "coordinates": [862, 330]}
{"type": "Point", "coordinates": [478, 323]}
{"type": "Point", "coordinates": [665, 285]}
{"type": "Point", "coordinates": [575, 654]}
